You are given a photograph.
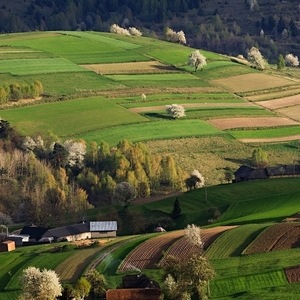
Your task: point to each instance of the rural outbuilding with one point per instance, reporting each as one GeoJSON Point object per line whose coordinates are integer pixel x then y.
{"type": "Point", "coordinates": [83, 231]}
{"type": "Point", "coordinates": [7, 246]}
{"type": "Point", "coordinates": [136, 287]}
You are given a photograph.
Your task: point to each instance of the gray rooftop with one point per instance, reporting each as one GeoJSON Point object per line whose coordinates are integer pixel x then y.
{"type": "Point", "coordinates": [103, 226]}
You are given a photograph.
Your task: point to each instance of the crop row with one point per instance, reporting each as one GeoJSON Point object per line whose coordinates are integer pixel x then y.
{"type": "Point", "coordinates": [269, 238]}
{"type": "Point", "coordinates": [184, 249]}
{"type": "Point", "coordinates": [149, 253]}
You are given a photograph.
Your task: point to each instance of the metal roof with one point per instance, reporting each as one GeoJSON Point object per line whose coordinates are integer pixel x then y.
{"type": "Point", "coordinates": [103, 226]}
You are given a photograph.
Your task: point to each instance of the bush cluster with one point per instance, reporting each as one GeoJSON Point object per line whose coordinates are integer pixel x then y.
{"type": "Point", "coordinates": [15, 91]}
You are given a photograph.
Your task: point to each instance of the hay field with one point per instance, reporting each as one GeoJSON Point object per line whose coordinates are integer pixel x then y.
{"type": "Point", "coordinates": [292, 112]}
{"type": "Point", "coordinates": [130, 68]}
{"type": "Point", "coordinates": [252, 82]}
{"type": "Point", "coordinates": [224, 124]}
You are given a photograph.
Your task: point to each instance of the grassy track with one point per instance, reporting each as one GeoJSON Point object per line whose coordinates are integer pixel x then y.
{"type": "Point", "coordinates": [266, 133]}
{"type": "Point", "coordinates": [234, 241]}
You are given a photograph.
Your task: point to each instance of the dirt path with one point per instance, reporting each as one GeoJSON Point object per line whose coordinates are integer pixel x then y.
{"type": "Point", "coordinates": [271, 140]}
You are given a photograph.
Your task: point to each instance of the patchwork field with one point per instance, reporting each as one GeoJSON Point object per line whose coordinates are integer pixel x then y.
{"type": "Point", "coordinates": [224, 124]}
{"type": "Point", "coordinates": [253, 82]}
{"type": "Point", "coordinates": [131, 67]}
{"type": "Point", "coordinates": [292, 112]}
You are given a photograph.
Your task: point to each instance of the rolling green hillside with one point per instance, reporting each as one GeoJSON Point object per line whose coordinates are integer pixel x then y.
{"type": "Point", "coordinates": [84, 99]}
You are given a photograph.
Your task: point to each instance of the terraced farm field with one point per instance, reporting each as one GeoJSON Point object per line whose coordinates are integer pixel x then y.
{"type": "Point", "coordinates": [182, 249]}
{"type": "Point", "coordinates": [277, 237]}
{"type": "Point", "coordinates": [253, 82]}
{"type": "Point", "coordinates": [148, 254]}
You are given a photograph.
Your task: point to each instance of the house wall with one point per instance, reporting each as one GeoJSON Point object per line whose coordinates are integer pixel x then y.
{"type": "Point", "coordinates": [99, 234]}
{"type": "Point", "coordinates": [78, 237]}
{"type": "Point", "coordinates": [133, 294]}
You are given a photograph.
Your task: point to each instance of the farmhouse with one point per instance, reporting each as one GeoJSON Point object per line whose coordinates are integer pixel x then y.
{"type": "Point", "coordinates": [245, 173]}
{"type": "Point", "coordinates": [136, 287]}
{"type": "Point", "coordinates": [74, 232]}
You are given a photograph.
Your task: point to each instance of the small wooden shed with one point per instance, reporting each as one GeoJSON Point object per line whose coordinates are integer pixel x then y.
{"type": "Point", "coordinates": [7, 246]}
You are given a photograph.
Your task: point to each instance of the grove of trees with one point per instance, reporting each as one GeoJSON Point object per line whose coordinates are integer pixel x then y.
{"type": "Point", "coordinates": [41, 179]}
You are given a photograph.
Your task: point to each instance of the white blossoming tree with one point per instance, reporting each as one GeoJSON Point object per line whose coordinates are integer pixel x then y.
{"type": "Point", "coordinates": [197, 60]}
{"type": "Point", "coordinates": [134, 31]}
{"type": "Point", "coordinates": [175, 37]}
{"type": "Point", "coordinates": [40, 285]}
{"type": "Point", "coordinates": [175, 110]}
{"type": "Point", "coordinates": [114, 28]}
{"type": "Point", "coordinates": [291, 60]}
{"type": "Point", "coordinates": [76, 153]}
{"type": "Point", "coordinates": [192, 233]}
{"type": "Point", "coordinates": [256, 59]}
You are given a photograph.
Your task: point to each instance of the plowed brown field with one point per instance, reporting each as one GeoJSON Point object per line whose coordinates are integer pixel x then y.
{"type": "Point", "coordinates": [183, 249]}
{"type": "Point", "coordinates": [292, 274]}
{"type": "Point", "coordinates": [277, 237]}
{"type": "Point", "coordinates": [230, 123]}
{"type": "Point", "coordinates": [148, 254]}
{"type": "Point", "coordinates": [280, 103]}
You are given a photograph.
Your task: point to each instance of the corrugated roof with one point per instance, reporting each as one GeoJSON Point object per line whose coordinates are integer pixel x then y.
{"type": "Point", "coordinates": [103, 226]}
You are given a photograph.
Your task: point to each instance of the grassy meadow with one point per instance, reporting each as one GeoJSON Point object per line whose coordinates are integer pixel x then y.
{"type": "Point", "coordinates": [81, 104]}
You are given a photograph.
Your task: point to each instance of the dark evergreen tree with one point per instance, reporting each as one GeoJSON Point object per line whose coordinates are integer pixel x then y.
{"type": "Point", "coordinates": [176, 209]}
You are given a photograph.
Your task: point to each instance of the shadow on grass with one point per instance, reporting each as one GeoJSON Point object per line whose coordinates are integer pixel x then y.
{"type": "Point", "coordinates": [247, 162]}
{"type": "Point", "coordinates": [156, 116]}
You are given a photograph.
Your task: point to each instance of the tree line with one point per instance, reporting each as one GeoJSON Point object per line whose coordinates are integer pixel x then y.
{"type": "Point", "coordinates": [207, 29]}
{"type": "Point", "coordinates": [15, 91]}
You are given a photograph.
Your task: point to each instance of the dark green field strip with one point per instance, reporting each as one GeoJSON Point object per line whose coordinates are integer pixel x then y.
{"type": "Point", "coordinates": [94, 36]}
{"type": "Point", "coordinates": [9, 265]}
{"type": "Point", "coordinates": [68, 118]}
{"type": "Point", "coordinates": [137, 101]}
{"type": "Point", "coordinates": [42, 261]}
{"type": "Point", "coordinates": [232, 242]}
{"type": "Point", "coordinates": [106, 57]}
{"type": "Point", "coordinates": [216, 112]}
{"type": "Point", "coordinates": [151, 130]}
{"type": "Point", "coordinates": [266, 133]}
{"type": "Point", "coordinates": [38, 66]}
{"type": "Point", "coordinates": [256, 263]}
{"type": "Point", "coordinates": [9, 295]}
{"type": "Point", "coordinates": [239, 284]}
{"type": "Point", "coordinates": [271, 209]}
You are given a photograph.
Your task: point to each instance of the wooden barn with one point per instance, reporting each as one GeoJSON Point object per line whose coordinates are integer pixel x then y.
{"type": "Point", "coordinates": [136, 287]}
{"type": "Point", "coordinates": [7, 246]}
